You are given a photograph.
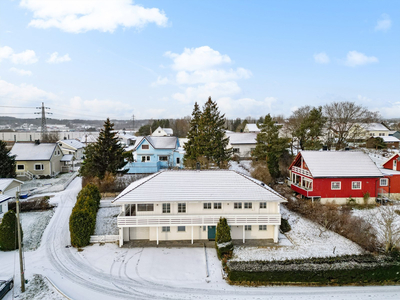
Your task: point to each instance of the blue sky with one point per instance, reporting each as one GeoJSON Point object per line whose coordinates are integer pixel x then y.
{"type": "Point", "coordinates": [98, 59]}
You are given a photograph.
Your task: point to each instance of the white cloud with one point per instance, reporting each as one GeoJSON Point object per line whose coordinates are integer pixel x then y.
{"type": "Point", "coordinates": [355, 58]}
{"type": "Point", "coordinates": [321, 58]}
{"type": "Point", "coordinates": [21, 72]}
{"type": "Point", "coordinates": [216, 75]}
{"type": "Point", "coordinates": [26, 57]}
{"type": "Point", "coordinates": [82, 16]}
{"type": "Point", "coordinates": [390, 110]}
{"type": "Point", "coordinates": [160, 81]}
{"type": "Point", "coordinates": [55, 59]}
{"type": "Point", "coordinates": [384, 23]}
{"type": "Point", "coordinates": [363, 98]}
{"type": "Point", "coordinates": [245, 106]}
{"type": "Point", "coordinates": [195, 59]}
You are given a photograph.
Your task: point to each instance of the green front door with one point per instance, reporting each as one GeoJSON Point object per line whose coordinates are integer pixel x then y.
{"type": "Point", "coordinates": [211, 232]}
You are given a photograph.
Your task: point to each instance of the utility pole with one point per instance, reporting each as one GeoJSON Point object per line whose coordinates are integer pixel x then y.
{"type": "Point", "coordinates": [21, 263]}
{"type": "Point", "coordinates": [44, 125]}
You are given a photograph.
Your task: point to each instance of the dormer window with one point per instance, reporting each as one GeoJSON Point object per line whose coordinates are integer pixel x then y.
{"type": "Point", "coordinates": [145, 147]}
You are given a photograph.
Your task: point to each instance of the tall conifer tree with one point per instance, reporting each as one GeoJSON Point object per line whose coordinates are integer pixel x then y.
{"type": "Point", "coordinates": [7, 162]}
{"type": "Point", "coordinates": [106, 155]}
{"type": "Point", "coordinates": [192, 145]}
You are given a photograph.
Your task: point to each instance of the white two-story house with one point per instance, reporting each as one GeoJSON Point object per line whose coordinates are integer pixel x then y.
{"type": "Point", "coordinates": [187, 205]}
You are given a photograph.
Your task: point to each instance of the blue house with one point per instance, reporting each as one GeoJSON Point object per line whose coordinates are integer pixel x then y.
{"type": "Point", "coordinates": [152, 153]}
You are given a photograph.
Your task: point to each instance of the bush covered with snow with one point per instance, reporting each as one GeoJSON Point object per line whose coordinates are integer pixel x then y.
{"type": "Point", "coordinates": [9, 232]}
{"type": "Point", "coordinates": [223, 240]}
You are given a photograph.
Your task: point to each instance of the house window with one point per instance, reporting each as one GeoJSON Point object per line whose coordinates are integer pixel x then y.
{"type": "Point", "coordinates": [263, 204]}
{"type": "Point", "coordinates": [248, 205]}
{"type": "Point", "coordinates": [356, 185]}
{"type": "Point", "coordinates": [207, 205]}
{"type": "Point", "coordinates": [163, 158]}
{"type": "Point", "coordinates": [166, 208]}
{"type": "Point", "coordinates": [20, 167]}
{"type": "Point", "coordinates": [384, 182]}
{"type": "Point", "coordinates": [39, 167]}
{"type": "Point", "coordinates": [204, 228]}
{"type": "Point", "coordinates": [145, 207]}
{"type": "Point", "coordinates": [145, 147]}
{"type": "Point", "coordinates": [145, 158]}
{"type": "Point", "coordinates": [181, 208]}
{"type": "Point", "coordinates": [178, 160]}
{"type": "Point", "coordinates": [166, 229]}
{"type": "Point", "coordinates": [335, 185]}
{"type": "Point", "coordinates": [218, 205]}
{"type": "Point", "coordinates": [181, 228]}
{"type": "Point", "coordinates": [237, 205]}
{"type": "Point", "coordinates": [1, 209]}
{"type": "Point", "coordinates": [58, 152]}
{"type": "Point", "coordinates": [236, 150]}
{"type": "Point", "coordinates": [55, 153]}
{"type": "Point", "coordinates": [262, 227]}
{"type": "Point", "coordinates": [247, 227]}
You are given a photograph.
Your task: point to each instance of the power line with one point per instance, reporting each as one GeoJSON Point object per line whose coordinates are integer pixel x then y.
{"type": "Point", "coordinates": [17, 106]}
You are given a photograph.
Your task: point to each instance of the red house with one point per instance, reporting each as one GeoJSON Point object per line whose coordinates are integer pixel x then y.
{"type": "Point", "coordinates": [335, 176]}
{"type": "Point", "coordinates": [390, 185]}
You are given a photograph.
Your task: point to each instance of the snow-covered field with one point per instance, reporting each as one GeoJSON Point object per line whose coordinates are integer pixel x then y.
{"type": "Point", "coordinates": [106, 221]}
{"type": "Point", "coordinates": [52, 185]}
{"type": "Point", "coordinates": [33, 225]}
{"type": "Point", "coordinates": [306, 242]}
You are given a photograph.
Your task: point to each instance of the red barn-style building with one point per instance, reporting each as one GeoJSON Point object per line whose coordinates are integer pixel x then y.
{"type": "Point", "coordinates": [390, 185]}
{"type": "Point", "coordinates": [335, 176]}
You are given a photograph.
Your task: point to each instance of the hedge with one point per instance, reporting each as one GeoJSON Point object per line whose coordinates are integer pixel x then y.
{"type": "Point", "coordinates": [82, 221]}
{"type": "Point", "coordinates": [350, 269]}
{"type": "Point", "coordinates": [9, 232]}
{"type": "Point", "coordinates": [223, 240]}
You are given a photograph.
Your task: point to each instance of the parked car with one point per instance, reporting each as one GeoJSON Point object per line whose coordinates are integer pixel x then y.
{"type": "Point", "coordinates": [5, 287]}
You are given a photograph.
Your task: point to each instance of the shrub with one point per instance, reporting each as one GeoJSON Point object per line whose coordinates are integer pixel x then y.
{"type": "Point", "coordinates": [81, 226]}
{"type": "Point", "coordinates": [261, 173]}
{"type": "Point", "coordinates": [9, 232]}
{"type": "Point", "coordinates": [31, 204]}
{"type": "Point", "coordinates": [223, 240]}
{"type": "Point", "coordinates": [285, 226]}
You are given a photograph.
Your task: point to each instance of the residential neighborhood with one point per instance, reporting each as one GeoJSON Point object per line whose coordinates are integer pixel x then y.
{"type": "Point", "coordinates": [199, 150]}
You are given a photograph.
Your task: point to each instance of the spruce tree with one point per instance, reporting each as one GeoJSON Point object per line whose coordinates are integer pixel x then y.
{"type": "Point", "coordinates": [9, 232]}
{"type": "Point", "coordinates": [192, 146]}
{"type": "Point", "coordinates": [106, 155]}
{"type": "Point", "coordinates": [7, 162]}
{"type": "Point", "coordinates": [270, 147]}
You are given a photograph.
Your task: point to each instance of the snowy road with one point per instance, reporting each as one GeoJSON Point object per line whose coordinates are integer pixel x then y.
{"type": "Point", "coordinates": [108, 272]}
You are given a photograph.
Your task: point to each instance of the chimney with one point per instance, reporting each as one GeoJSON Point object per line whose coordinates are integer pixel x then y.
{"type": "Point", "coordinates": [198, 166]}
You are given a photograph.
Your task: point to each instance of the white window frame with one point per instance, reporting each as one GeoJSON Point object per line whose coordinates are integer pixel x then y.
{"type": "Point", "coordinates": [217, 205]}
{"type": "Point", "coordinates": [166, 208]}
{"type": "Point", "coordinates": [41, 169]}
{"type": "Point", "coordinates": [336, 182]}
{"type": "Point", "coordinates": [163, 156]}
{"type": "Point", "coordinates": [181, 208]}
{"type": "Point", "coordinates": [248, 205]}
{"type": "Point", "coordinates": [247, 227]}
{"type": "Point", "coordinates": [262, 227]}
{"type": "Point", "coordinates": [165, 229]}
{"type": "Point", "coordinates": [184, 228]}
{"type": "Point", "coordinates": [207, 205]}
{"type": "Point", "coordinates": [237, 205]}
{"type": "Point", "coordinates": [23, 168]}
{"type": "Point", "coordinates": [356, 182]}
{"type": "Point", "coordinates": [386, 180]}
{"type": "Point", "coordinates": [263, 205]}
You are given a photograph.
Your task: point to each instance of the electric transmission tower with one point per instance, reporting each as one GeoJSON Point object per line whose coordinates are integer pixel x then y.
{"type": "Point", "coordinates": [43, 113]}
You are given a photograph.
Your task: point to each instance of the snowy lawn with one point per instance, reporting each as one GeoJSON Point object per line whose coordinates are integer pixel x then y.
{"type": "Point", "coordinates": [106, 221]}
{"type": "Point", "coordinates": [306, 242]}
{"type": "Point", "coordinates": [33, 225]}
{"type": "Point", "coordinates": [243, 166]}
{"type": "Point", "coordinates": [38, 186]}
{"type": "Point", "coordinates": [38, 288]}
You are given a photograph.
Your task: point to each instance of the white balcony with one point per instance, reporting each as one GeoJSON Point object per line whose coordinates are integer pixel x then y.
{"type": "Point", "coordinates": [301, 171]}
{"type": "Point", "coordinates": [196, 220]}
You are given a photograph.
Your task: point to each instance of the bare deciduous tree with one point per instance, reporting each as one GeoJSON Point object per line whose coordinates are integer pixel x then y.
{"type": "Point", "coordinates": [387, 222]}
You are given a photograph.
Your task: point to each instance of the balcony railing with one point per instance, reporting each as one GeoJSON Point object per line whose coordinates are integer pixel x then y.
{"type": "Point", "coordinates": [196, 220]}
{"type": "Point", "coordinates": [301, 171]}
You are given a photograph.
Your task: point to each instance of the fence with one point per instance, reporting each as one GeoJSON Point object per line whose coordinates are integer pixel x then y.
{"type": "Point", "coordinates": [104, 238]}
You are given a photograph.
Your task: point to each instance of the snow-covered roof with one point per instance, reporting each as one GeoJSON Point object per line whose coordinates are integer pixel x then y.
{"type": "Point", "coordinates": [376, 127]}
{"type": "Point", "coordinates": [340, 164]}
{"type": "Point", "coordinates": [73, 143]}
{"type": "Point", "coordinates": [5, 182]}
{"type": "Point", "coordinates": [4, 198]}
{"type": "Point", "coordinates": [242, 138]}
{"type": "Point", "coordinates": [194, 186]}
{"type": "Point", "coordinates": [88, 139]}
{"type": "Point", "coordinates": [160, 142]}
{"type": "Point", "coordinates": [252, 127]}
{"type": "Point", "coordinates": [389, 139]}
{"type": "Point", "coordinates": [32, 151]}
{"type": "Point", "coordinates": [67, 157]}
{"type": "Point", "coordinates": [168, 131]}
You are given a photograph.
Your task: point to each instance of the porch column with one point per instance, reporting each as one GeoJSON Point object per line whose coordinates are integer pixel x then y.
{"type": "Point", "coordinates": [157, 234]}
{"type": "Point", "coordinates": [121, 237]}
{"type": "Point", "coordinates": [192, 234]}
{"type": "Point", "coordinates": [276, 232]}
{"type": "Point", "coordinates": [244, 234]}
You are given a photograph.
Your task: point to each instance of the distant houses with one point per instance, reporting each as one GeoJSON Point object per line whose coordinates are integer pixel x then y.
{"type": "Point", "coordinates": [8, 190]}
{"type": "Point", "coordinates": [242, 144]}
{"type": "Point", "coordinates": [163, 132]}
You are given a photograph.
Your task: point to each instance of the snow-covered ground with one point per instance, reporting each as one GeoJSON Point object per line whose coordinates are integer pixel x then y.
{"type": "Point", "coordinates": [52, 185]}
{"type": "Point", "coordinates": [109, 272]}
{"type": "Point", "coordinates": [243, 166]}
{"type": "Point", "coordinates": [106, 221]}
{"type": "Point", "coordinates": [306, 242]}
{"type": "Point", "coordinates": [33, 225]}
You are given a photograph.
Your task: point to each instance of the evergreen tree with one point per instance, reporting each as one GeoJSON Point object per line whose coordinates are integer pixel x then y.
{"type": "Point", "coordinates": [192, 145]}
{"type": "Point", "coordinates": [106, 155]}
{"type": "Point", "coordinates": [9, 232]}
{"type": "Point", "coordinates": [212, 140]}
{"type": "Point", "coordinates": [270, 147]}
{"type": "Point", "coordinates": [7, 162]}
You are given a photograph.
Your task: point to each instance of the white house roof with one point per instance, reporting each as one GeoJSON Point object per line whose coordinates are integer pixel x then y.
{"type": "Point", "coordinates": [252, 127]}
{"type": "Point", "coordinates": [67, 157]}
{"type": "Point", "coordinates": [74, 143]}
{"type": "Point", "coordinates": [340, 164]}
{"type": "Point", "coordinates": [4, 198]}
{"type": "Point", "coordinates": [389, 139]}
{"type": "Point", "coordinates": [161, 142]}
{"type": "Point", "coordinates": [376, 127]}
{"type": "Point", "coordinates": [168, 131]}
{"type": "Point", "coordinates": [32, 151]}
{"type": "Point", "coordinates": [5, 182]}
{"type": "Point", "coordinates": [195, 186]}
{"type": "Point", "coordinates": [242, 138]}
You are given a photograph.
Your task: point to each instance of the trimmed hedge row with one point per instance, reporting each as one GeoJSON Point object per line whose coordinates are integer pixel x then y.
{"type": "Point", "coordinates": [82, 221]}
{"type": "Point", "coordinates": [223, 240]}
{"type": "Point", "coordinates": [350, 269]}
{"type": "Point", "coordinates": [9, 232]}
